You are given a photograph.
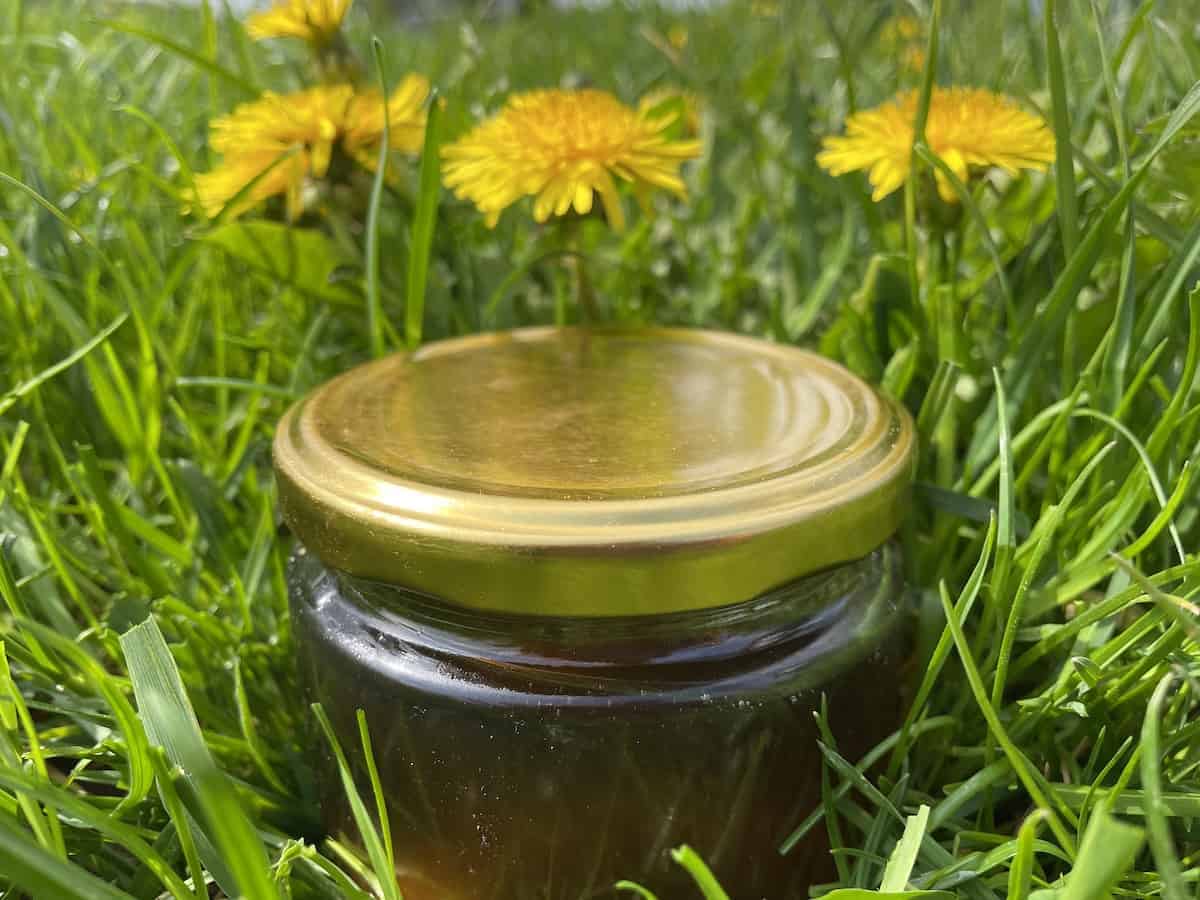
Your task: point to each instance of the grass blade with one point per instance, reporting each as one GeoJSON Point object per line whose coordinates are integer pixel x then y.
{"type": "Point", "coordinates": [1054, 315]}
{"type": "Point", "coordinates": [42, 874]}
{"type": "Point", "coordinates": [374, 301]}
{"type": "Point", "coordinates": [1161, 843]}
{"type": "Point", "coordinates": [1176, 122]}
{"type": "Point", "coordinates": [13, 712]}
{"type": "Point", "coordinates": [866, 763]}
{"type": "Point", "coordinates": [382, 864]}
{"type": "Point", "coordinates": [141, 773]}
{"type": "Point", "coordinates": [254, 743]}
{"type": "Point", "coordinates": [924, 98]}
{"type": "Point", "coordinates": [800, 320]}
{"type": "Point", "coordinates": [1147, 464]}
{"type": "Point", "coordinates": [179, 816]}
{"type": "Point", "coordinates": [1020, 763]}
{"type": "Point", "coordinates": [1006, 539]}
{"type": "Point", "coordinates": [700, 872]}
{"type": "Point", "coordinates": [420, 245]}
{"type": "Point", "coordinates": [900, 864]}
{"type": "Point", "coordinates": [634, 888]}
{"type": "Point", "coordinates": [58, 214]}
{"type": "Point", "coordinates": [1048, 527]}
{"type": "Point", "coordinates": [1164, 429]}
{"type": "Point", "coordinates": [14, 394]}
{"type": "Point", "coordinates": [233, 844]}
{"type": "Point", "coordinates": [1060, 117]}
{"type": "Point", "coordinates": [1108, 850]}
{"type": "Point", "coordinates": [385, 828]}
{"type": "Point", "coordinates": [937, 398]}
{"type": "Point", "coordinates": [1020, 876]}
{"type": "Point", "coordinates": [198, 59]}
{"type": "Point", "coordinates": [1117, 353]}
{"type": "Point", "coordinates": [941, 652]}
{"type": "Point", "coordinates": [53, 796]}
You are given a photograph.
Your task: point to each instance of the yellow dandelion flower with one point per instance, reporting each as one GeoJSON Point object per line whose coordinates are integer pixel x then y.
{"type": "Point", "coordinates": [562, 148]}
{"type": "Point", "coordinates": [278, 172]}
{"type": "Point", "coordinates": [912, 57]}
{"type": "Point", "coordinates": [406, 120]}
{"type": "Point", "coordinates": [966, 127]}
{"type": "Point", "coordinates": [315, 21]}
{"type": "Point", "coordinates": [899, 29]}
{"type": "Point", "coordinates": [677, 35]}
{"type": "Point", "coordinates": [903, 36]}
{"type": "Point", "coordinates": [286, 141]}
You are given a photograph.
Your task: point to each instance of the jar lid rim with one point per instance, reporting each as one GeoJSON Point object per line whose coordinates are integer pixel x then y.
{"type": "Point", "coordinates": [594, 471]}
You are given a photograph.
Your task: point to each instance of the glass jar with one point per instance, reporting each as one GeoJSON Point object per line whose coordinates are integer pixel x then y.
{"type": "Point", "coordinates": [590, 587]}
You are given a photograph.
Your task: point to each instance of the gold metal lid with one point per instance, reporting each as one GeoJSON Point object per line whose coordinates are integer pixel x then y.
{"type": "Point", "coordinates": [594, 471]}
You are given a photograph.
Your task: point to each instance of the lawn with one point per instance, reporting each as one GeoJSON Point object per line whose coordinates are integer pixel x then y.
{"type": "Point", "coordinates": [1042, 326]}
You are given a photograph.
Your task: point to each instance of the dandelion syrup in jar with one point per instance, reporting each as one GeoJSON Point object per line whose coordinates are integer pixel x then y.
{"type": "Point", "coordinates": [589, 587]}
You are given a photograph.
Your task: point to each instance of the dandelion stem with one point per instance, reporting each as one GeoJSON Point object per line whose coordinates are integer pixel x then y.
{"type": "Point", "coordinates": [585, 295]}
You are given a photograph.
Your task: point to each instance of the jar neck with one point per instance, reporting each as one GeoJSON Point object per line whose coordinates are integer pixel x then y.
{"type": "Point", "coordinates": [783, 619]}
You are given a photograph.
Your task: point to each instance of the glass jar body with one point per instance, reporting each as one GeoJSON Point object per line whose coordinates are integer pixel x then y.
{"type": "Point", "coordinates": [546, 758]}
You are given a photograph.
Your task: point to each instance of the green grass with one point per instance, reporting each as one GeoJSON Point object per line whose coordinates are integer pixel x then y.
{"type": "Point", "coordinates": [1044, 334]}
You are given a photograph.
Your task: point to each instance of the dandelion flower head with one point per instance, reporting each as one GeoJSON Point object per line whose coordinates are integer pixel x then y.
{"type": "Point", "coordinates": [278, 144]}
{"type": "Point", "coordinates": [564, 147]}
{"type": "Point", "coordinates": [967, 127]}
{"type": "Point", "coordinates": [903, 36]}
{"type": "Point", "coordinates": [315, 21]}
{"type": "Point", "coordinates": [900, 28]}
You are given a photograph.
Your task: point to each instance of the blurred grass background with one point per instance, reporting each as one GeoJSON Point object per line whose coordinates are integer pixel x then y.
{"type": "Point", "coordinates": [145, 355]}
